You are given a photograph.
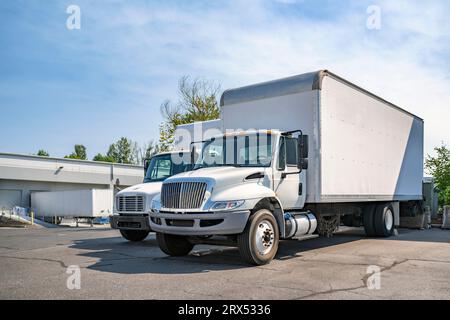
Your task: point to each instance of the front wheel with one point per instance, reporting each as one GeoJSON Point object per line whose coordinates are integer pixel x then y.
{"type": "Point", "coordinates": [258, 244]}
{"type": "Point", "coordinates": [174, 246]}
{"type": "Point", "coordinates": [134, 235]}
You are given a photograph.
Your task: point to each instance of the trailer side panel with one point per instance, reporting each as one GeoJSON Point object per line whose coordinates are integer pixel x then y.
{"type": "Point", "coordinates": [370, 151]}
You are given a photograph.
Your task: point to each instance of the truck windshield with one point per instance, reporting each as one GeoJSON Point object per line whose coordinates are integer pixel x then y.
{"type": "Point", "coordinates": [162, 167]}
{"type": "Point", "coordinates": [253, 150]}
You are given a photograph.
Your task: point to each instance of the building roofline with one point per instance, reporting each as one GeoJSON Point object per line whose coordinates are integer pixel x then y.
{"type": "Point", "coordinates": [87, 162]}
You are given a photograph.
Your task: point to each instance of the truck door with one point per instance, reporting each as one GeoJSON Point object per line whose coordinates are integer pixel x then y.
{"type": "Point", "coordinates": [289, 185]}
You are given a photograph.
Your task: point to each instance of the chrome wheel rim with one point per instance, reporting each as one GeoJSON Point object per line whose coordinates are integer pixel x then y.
{"type": "Point", "coordinates": [388, 219]}
{"type": "Point", "coordinates": [264, 237]}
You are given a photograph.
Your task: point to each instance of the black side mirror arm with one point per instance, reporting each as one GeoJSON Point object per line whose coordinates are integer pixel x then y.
{"type": "Point", "coordinates": [285, 174]}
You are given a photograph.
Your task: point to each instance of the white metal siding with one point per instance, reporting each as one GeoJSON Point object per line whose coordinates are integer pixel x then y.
{"type": "Point", "coordinates": [46, 169]}
{"type": "Point", "coordinates": [10, 198]}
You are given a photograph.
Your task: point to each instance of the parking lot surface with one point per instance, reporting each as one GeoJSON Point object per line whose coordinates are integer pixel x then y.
{"type": "Point", "coordinates": [34, 265]}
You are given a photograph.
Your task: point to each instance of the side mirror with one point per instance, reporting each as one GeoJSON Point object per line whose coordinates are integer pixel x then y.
{"type": "Point", "coordinates": [193, 156]}
{"type": "Point", "coordinates": [146, 164]}
{"type": "Point", "coordinates": [303, 164]}
{"type": "Point", "coordinates": [303, 146]}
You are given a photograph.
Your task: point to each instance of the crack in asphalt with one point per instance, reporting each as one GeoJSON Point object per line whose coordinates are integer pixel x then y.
{"type": "Point", "coordinates": [364, 280]}
{"type": "Point", "coordinates": [425, 260]}
{"type": "Point", "coordinates": [61, 263]}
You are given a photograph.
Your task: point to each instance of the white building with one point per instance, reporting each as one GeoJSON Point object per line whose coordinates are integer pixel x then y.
{"type": "Point", "coordinates": [20, 175]}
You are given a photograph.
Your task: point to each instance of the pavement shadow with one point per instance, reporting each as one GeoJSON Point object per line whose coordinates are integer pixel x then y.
{"type": "Point", "coordinates": [289, 249]}
{"type": "Point", "coordinates": [114, 254]}
{"type": "Point", "coordinates": [117, 255]}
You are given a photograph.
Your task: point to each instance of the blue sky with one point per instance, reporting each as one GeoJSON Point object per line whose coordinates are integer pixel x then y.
{"type": "Point", "coordinates": [59, 87]}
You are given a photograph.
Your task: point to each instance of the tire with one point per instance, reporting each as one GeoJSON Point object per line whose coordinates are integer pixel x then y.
{"type": "Point", "coordinates": [261, 224]}
{"type": "Point", "coordinates": [368, 219]}
{"type": "Point", "coordinates": [384, 220]}
{"type": "Point", "coordinates": [175, 246]}
{"type": "Point", "coordinates": [134, 235]}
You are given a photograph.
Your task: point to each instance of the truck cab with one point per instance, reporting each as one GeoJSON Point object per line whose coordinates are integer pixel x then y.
{"type": "Point", "coordinates": [131, 205]}
{"type": "Point", "coordinates": [241, 188]}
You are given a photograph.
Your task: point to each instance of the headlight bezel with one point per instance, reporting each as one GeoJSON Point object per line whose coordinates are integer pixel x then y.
{"type": "Point", "coordinates": [155, 205]}
{"type": "Point", "coordinates": [226, 205]}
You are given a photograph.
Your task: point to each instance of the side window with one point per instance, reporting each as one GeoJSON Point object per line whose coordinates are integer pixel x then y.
{"type": "Point", "coordinates": [282, 155]}
{"type": "Point", "coordinates": [291, 152]}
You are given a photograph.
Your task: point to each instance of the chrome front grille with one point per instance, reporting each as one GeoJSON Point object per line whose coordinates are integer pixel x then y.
{"type": "Point", "coordinates": [130, 203]}
{"type": "Point", "coordinates": [183, 195]}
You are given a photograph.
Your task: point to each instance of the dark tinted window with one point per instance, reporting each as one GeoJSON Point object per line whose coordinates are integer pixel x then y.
{"type": "Point", "coordinates": [291, 151]}
{"type": "Point", "coordinates": [282, 155]}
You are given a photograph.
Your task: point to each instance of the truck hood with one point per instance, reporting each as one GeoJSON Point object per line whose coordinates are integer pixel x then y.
{"type": "Point", "coordinates": [150, 189]}
{"type": "Point", "coordinates": [223, 176]}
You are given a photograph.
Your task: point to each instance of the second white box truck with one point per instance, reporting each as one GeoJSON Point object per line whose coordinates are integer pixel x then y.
{"type": "Point", "coordinates": [305, 152]}
{"type": "Point", "coordinates": [132, 204]}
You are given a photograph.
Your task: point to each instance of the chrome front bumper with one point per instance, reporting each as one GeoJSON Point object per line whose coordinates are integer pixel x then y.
{"type": "Point", "coordinates": [200, 224]}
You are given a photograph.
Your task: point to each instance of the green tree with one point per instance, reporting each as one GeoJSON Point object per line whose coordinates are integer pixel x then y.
{"type": "Point", "coordinates": [43, 153]}
{"type": "Point", "coordinates": [123, 151]}
{"type": "Point", "coordinates": [439, 167]}
{"type": "Point", "coordinates": [166, 136]}
{"type": "Point", "coordinates": [102, 158]}
{"type": "Point", "coordinates": [79, 153]}
{"type": "Point", "coordinates": [146, 152]}
{"type": "Point", "coordinates": [197, 101]}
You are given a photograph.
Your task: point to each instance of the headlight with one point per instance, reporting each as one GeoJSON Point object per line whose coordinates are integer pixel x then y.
{"type": "Point", "coordinates": [226, 205]}
{"type": "Point", "coordinates": [155, 206]}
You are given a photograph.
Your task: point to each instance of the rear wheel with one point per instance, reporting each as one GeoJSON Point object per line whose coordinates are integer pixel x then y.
{"type": "Point", "coordinates": [384, 220]}
{"type": "Point", "coordinates": [172, 245]}
{"type": "Point", "coordinates": [368, 219]}
{"type": "Point", "coordinates": [134, 235]}
{"type": "Point", "coordinates": [258, 244]}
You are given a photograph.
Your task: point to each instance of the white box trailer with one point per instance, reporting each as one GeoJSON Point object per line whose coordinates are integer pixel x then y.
{"type": "Point", "coordinates": [361, 147]}
{"type": "Point", "coordinates": [90, 203]}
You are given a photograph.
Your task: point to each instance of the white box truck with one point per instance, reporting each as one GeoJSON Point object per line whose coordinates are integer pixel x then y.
{"type": "Point", "coordinates": [304, 152]}
{"type": "Point", "coordinates": [132, 204]}
{"type": "Point", "coordinates": [88, 204]}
